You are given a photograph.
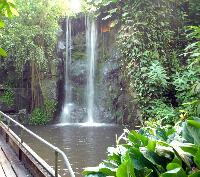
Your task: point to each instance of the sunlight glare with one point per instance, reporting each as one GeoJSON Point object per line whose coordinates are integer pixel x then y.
{"type": "Point", "coordinates": [75, 6]}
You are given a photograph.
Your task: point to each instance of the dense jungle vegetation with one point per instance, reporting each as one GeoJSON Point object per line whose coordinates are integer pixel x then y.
{"type": "Point", "coordinates": [158, 46]}
{"type": "Point", "coordinates": [30, 41]}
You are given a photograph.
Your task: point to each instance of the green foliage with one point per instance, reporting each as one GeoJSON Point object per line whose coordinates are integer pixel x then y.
{"type": "Point", "coordinates": [149, 48]}
{"type": "Point", "coordinates": [162, 111]}
{"type": "Point", "coordinates": [145, 155]}
{"type": "Point", "coordinates": [156, 64]}
{"type": "Point", "coordinates": [38, 117]}
{"type": "Point", "coordinates": [183, 82]}
{"type": "Point", "coordinates": [157, 75]}
{"type": "Point", "coordinates": [8, 97]}
{"type": "Point", "coordinates": [32, 35]}
{"type": "Point", "coordinates": [7, 9]}
{"type": "Point", "coordinates": [3, 52]}
{"type": "Point", "coordinates": [194, 12]}
{"type": "Point", "coordinates": [50, 107]}
{"type": "Point", "coordinates": [42, 115]}
{"type": "Point", "coordinates": [188, 82]}
{"type": "Point", "coordinates": [158, 68]}
{"type": "Point", "coordinates": [191, 130]}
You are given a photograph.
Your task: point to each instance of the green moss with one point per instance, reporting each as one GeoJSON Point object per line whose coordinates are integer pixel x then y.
{"type": "Point", "coordinates": [78, 55]}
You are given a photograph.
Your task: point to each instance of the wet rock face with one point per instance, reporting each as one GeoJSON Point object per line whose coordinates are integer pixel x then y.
{"type": "Point", "coordinates": [112, 102]}
{"type": "Point", "coordinates": [79, 72]}
{"type": "Point", "coordinates": [7, 108]}
{"type": "Point", "coordinates": [49, 88]}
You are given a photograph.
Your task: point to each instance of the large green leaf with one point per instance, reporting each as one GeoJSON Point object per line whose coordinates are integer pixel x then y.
{"type": "Point", "coordinates": [195, 174]}
{"type": "Point", "coordinates": [137, 139]}
{"type": "Point", "coordinates": [130, 168]}
{"type": "Point", "coordinates": [161, 133]}
{"type": "Point", "coordinates": [107, 171]}
{"type": "Point", "coordinates": [139, 161]}
{"type": "Point", "coordinates": [95, 175]}
{"type": "Point", "coordinates": [172, 166]}
{"type": "Point", "coordinates": [90, 170]}
{"type": "Point", "coordinates": [177, 161]}
{"type": "Point", "coordinates": [180, 153]}
{"type": "Point", "coordinates": [193, 123]}
{"type": "Point", "coordinates": [145, 173]}
{"type": "Point", "coordinates": [197, 158]}
{"type": "Point", "coordinates": [151, 145]}
{"type": "Point", "coordinates": [154, 158]}
{"type": "Point", "coordinates": [189, 148]}
{"type": "Point", "coordinates": [177, 172]}
{"type": "Point", "coordinates": [165, 151]}
{"type": "Point", "coordinates": [191, 132]}
{"type": "Point", "coordinates": [100, 170]}
{"type": "Point", "coordinates": [116, 158]}
{"type": "Point", "coordinates": [122, 170]}
{"type": "Point", "coordinates": [126, 169]}
{"type": "Point", "coordinates": [2, 25]}
{"type": "Point", "coordinates": [3, 52]}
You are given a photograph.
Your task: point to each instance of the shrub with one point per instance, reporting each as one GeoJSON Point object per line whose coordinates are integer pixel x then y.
{"type": "Point", "coordinates": [43, 115]}
{"type": "Point", "coordinates": [151, 152]}
{"type": "Point", "coordinates": [163, 112]}
{"type": "Point", "coordinates": [8, 97]}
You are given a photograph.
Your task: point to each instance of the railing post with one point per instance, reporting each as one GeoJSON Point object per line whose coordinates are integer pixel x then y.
{"type": "Point", "coordinates": [8, 124]}
{"type": "Point", "coordinates": [21, 134]}
{"type": "Point", "coordinates": [56, 163]}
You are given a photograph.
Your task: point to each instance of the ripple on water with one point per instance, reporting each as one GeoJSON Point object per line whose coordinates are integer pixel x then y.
{"type": "Point", "coordinates": [86, 124]}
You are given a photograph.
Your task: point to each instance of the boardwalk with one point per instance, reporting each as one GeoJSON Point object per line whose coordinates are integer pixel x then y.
{"type": "Point", "coordinates": [10, 166]}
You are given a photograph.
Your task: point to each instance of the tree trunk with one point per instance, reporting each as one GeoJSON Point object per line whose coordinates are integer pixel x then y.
{"type": "Point", "coordinates": [36, 91]}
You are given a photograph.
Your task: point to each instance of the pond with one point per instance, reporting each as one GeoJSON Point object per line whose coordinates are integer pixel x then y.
{"type": "Point", "coordinates": [84, 145]}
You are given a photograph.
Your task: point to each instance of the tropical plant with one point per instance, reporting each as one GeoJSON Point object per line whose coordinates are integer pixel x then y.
{"type": "Point", "coordinates": [165, 78]}
{"type": "Point", "coordinates": [191, 130]}
{"type": "Point", "coordinates": [150, 152]}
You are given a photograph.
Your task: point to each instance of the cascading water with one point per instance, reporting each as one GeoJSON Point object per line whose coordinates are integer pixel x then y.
{"type": "Point", "coordinates": [91, 40]}
{"type": "Point", "coordinates": [66, 109]}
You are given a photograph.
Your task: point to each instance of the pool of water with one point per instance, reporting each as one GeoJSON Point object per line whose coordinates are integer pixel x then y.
{"type": "Point", "coordinates": [85, 145]}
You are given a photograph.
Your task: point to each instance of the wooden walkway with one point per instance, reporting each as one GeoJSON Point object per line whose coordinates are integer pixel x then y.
{"type": "Point", "coordinates": [10, 166]}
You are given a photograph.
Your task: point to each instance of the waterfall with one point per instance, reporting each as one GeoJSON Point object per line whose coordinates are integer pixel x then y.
{"type": "Point", "coordinates": [66, 109]}
{"type": "Point", "coordinates": [91, 40]}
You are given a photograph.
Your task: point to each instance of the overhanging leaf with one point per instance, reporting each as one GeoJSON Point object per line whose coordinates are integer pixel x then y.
{"type": "Point", "coordinates": [193, 123]}
{"type": "Point", "coordinates": [177, 172]}
{"type": "Point", "coordinates": [195, 174]}
{"type": "Point", "coordinates": [2, 25]}
{"type": "Point", "coordinates": [122, 170]}
{"type": "Point", "coordinates": [197, 158]}
{"type": "Point", "coordinates": [3, 52]}
{"type": "Point", "coordinates": [180, 153]}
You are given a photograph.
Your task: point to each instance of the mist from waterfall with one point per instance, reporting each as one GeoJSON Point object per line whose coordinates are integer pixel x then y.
{"type": "Point", "coordinates": [91, 40]}
{"type": "Point", "coordinates": [66, 109]}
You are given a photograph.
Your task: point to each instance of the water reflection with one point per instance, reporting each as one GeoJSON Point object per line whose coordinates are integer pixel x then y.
{"type": "Point", "coordinates": [84, 145]}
